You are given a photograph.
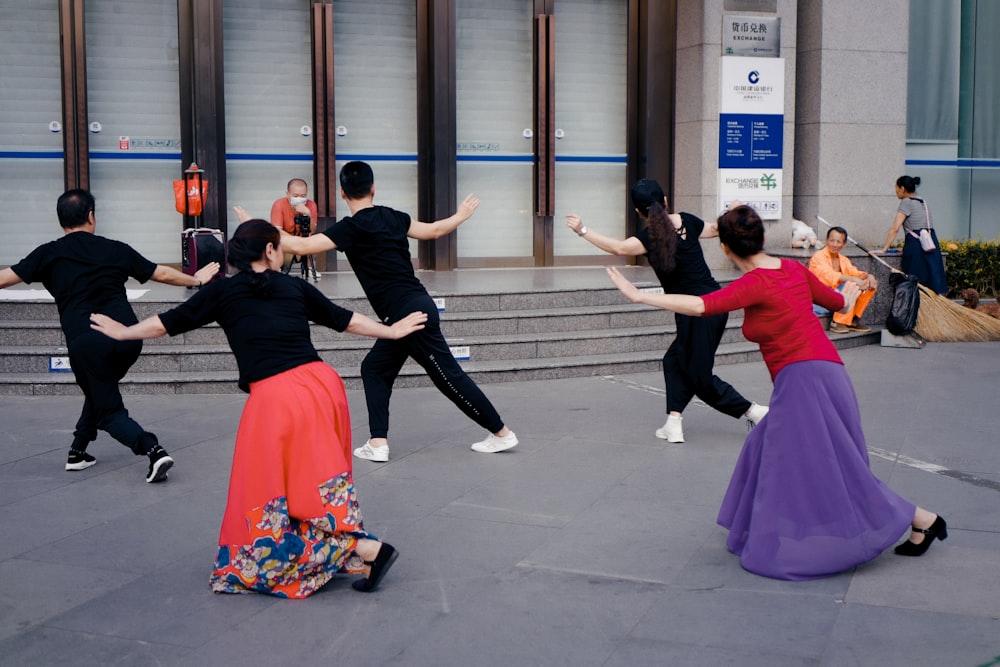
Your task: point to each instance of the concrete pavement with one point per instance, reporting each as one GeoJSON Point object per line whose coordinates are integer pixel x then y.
{"type": "Point", "coordinates": [591, 543]}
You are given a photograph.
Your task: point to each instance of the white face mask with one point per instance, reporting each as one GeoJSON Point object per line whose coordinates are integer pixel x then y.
{"type": "Point", "coordinates": [295, 201]}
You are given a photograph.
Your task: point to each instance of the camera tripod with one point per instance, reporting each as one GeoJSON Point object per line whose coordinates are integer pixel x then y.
{"type": "Point", "coordinates": [303, 225]}
{"type": "Point", "coordinates": [307, 263]}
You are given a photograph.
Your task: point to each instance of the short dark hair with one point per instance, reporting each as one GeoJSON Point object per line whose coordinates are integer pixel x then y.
{"type": "Point", "coordinates": [839, 230]}
{"type": "Point", "coordinates": [296, 180]}
{"type": "Point", "coordinates": [742, 230]}
{"type": "Point", "coordinates": [74, 208]}
{"type": "Point", "coordinates": [356, 179]}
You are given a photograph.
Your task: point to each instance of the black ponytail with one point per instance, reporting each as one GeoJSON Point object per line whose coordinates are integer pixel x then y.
{"type": "Point", "coordinates": [908, 183]}
{"type": "Point", "coordinates": [648, 198]}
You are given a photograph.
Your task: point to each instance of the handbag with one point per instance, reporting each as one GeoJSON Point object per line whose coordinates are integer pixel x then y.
{"type": "Point", "coordinates": [925, 238]}
{"type": "Point", "coordinates": [926, 241]}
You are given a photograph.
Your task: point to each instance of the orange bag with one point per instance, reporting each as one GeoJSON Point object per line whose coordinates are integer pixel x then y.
{"type": "Point", "coordinates": [189, 194]}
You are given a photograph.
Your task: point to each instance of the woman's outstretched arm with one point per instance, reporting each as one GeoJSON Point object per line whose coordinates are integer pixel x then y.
{"type": "Point", "coordinates": [677, 303]}
{"type": "Point", "coordinates": [630, 247]}
{"type": "Point", "coordinates": [151, 327]}
{"type": "Point", "coordinates": [363, 325]}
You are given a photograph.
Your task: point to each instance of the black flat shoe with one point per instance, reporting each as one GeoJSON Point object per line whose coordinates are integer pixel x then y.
{"type": "Point", "coordinates": [387, 555]}
{"type": "Point", "coordinates": [938, 529]}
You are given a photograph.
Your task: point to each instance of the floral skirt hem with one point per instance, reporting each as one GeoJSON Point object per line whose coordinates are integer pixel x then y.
{"type": "Point", "coordinates": [292, 517]}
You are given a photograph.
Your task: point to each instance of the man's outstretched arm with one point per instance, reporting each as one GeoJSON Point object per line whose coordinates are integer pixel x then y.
{"type": "Point", "coordinates": [171, 276]}
{"type": "Point", "coordinates": [308, 245]}
{"type": "Point", "coordinates": [296, 245]}
{"type": "Point", "coordinates": [428, 231]}
{"type": "Point", "coordinates": [8, 277]}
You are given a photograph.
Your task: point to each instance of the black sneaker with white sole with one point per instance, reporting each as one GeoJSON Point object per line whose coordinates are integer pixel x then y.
{"type": "Point", "coordinates": [159, 464]}
{"type": "Point", "coordinates": [79, 460]}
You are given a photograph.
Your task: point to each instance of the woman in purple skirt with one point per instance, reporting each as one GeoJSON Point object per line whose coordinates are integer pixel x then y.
{"type": "Point", "coordinates": [802, 502]}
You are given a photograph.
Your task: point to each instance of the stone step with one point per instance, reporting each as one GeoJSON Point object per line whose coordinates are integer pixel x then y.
{"type": "Point", "coordinates": [18, 310]}
{"type": "Point", "coordinates": [349, 350]}
{"type": "Point", "coordinates": [473, 323]}
{"type": "Point", "coordinates": [202, 382]}
{"type": "Point", "coordinates": [525, 334]}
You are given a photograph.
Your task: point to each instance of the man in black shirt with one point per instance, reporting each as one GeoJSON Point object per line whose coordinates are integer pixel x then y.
{"type": "Point", "coordinates": [375, 240]}
{"type": "Point", "coordinates": [85, 274]}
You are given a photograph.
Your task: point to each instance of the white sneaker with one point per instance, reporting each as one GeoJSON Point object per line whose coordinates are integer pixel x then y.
{"type": "Point", "coordinates": [377, 454]}
{"type": "Point", "coordinates": [755, 414]}
{"type": "Point", "coordinates": [493, 444]}
{"type": "Point", "coordinates": [672, 431]}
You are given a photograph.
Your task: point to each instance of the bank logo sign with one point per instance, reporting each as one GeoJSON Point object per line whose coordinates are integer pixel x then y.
{"type": "Point", "coordinates": [751, 133]}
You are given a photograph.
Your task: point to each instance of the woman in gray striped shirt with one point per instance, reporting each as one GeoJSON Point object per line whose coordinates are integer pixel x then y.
{"type": "Point", "coordinates": [913, 215]}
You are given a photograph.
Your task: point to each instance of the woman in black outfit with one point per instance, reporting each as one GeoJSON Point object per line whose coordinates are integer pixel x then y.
{"type": "Point", "coordinates": [292, 519]}
{"type": "Point", "coordinates": [671, 242]}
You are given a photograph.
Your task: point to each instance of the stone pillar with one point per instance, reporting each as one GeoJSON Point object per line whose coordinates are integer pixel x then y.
{"type": "Point", "coordinates": [696, 145]}
{"type": "Point", "coordinates": [850, 114]}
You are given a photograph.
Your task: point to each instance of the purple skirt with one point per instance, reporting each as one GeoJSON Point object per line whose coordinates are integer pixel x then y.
{"type": "Point", "coordinates": [803, 502]}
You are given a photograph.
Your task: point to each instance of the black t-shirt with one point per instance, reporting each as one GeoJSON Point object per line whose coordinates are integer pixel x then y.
{"type": "Point", "coordinates": [375, 243]}
{"type": "Point", "coordinates": [86, 273]}
{"type": "Point", "coordinates": [691, 274]}
{"type": "Point", "coordinates": [268, 335]}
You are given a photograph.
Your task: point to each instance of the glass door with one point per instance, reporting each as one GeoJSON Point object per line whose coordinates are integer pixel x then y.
{"type": "Point", "coordinates": [268, 91]}
{"type": "Point", "coordinates": [375, 96]}
{"type": "Point", "coordinates": [31, 150]}
{"type": "Point", "coordinates": [133, 105]}
{"type": "Point", "coordinates": [591, 119]}
{"type": "Point", "coordinates": [494, 46]}
{"type": "Point", "coordinates": [498, 65]}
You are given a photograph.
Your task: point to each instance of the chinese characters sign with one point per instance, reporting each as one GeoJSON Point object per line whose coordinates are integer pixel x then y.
{"type": "Point", "coordinates": [757, 36]}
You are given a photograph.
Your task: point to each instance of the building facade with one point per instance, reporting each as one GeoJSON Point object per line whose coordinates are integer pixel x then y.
{"type": "Point", "coordinates": [540, 107]}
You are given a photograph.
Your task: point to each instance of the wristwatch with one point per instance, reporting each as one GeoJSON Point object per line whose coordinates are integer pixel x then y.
{"type": "Point", "coordinates": [583, 230]}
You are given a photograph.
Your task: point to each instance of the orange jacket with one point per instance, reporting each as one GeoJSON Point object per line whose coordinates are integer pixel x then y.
{"type": "Point", "coordinates": [283, 215]}
{"type": "Point", "coordinates": [821, 264]}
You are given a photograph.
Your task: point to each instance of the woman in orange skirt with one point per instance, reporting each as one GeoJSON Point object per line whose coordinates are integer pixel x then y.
{"type": "Point", "coordinates": [292, 519]}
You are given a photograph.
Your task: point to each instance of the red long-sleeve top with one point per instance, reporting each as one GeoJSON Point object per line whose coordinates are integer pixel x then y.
{"type": "Point", "coordinates": [778, 316]}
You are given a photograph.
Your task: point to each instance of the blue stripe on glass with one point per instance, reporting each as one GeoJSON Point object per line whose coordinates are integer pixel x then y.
{"type": "Point", "coordinates": [307, 157]}
{"type": "Point", "coordinates": [606, 159]}
{"type": "Point", "coordinates": [30, 155]}
{"type": "Point", "coordinates": [589, 159]}
{"type": "Point", "coordinates": [275, 157]}
{"type": "Point", "coordinates": [350, 157]}
{"type": "Point", "coordinates": [129, 155]}
{"type": "Point", "coordinates": [967, 163]}
{"type": "Point", "coordinates": [495, 158]}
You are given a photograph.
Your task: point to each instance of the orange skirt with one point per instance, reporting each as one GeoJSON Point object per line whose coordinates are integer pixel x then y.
{"type": "Point", "coordinates": [292, 519]}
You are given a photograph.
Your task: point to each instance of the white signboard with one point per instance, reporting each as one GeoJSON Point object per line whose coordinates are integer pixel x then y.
{"type": "Point", "coordinates": [751, 133]}
{"type": "Point", "coordinates": [752, 85]}
{"type": "Point", "coordinates": [759, 188]}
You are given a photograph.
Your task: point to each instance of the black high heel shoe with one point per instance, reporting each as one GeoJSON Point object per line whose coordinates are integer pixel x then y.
{"type": "Point", "coordinates": [386, 556]}
{"type": "Point", "coordinates": [938, 529]}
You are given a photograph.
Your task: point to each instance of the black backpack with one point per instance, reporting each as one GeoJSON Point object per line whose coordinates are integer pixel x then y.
{"type": "Point", "coordinates": [905, 304]}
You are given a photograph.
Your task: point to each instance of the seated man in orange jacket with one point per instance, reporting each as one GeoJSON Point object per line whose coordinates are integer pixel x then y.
{"type": "Point", "coordinates": [295, 202]}
{"type": "Point", "coordinates": [835, 269]}
{"type": "Point", "coordinates": [296, 214]}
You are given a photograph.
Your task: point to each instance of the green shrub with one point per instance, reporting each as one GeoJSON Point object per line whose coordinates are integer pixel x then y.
{"type": "Point", "coordinates": [972, 264]}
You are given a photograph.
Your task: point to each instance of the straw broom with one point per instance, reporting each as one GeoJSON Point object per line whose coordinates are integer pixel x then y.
{"type": "Point", "coordinates": [939, 319]}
